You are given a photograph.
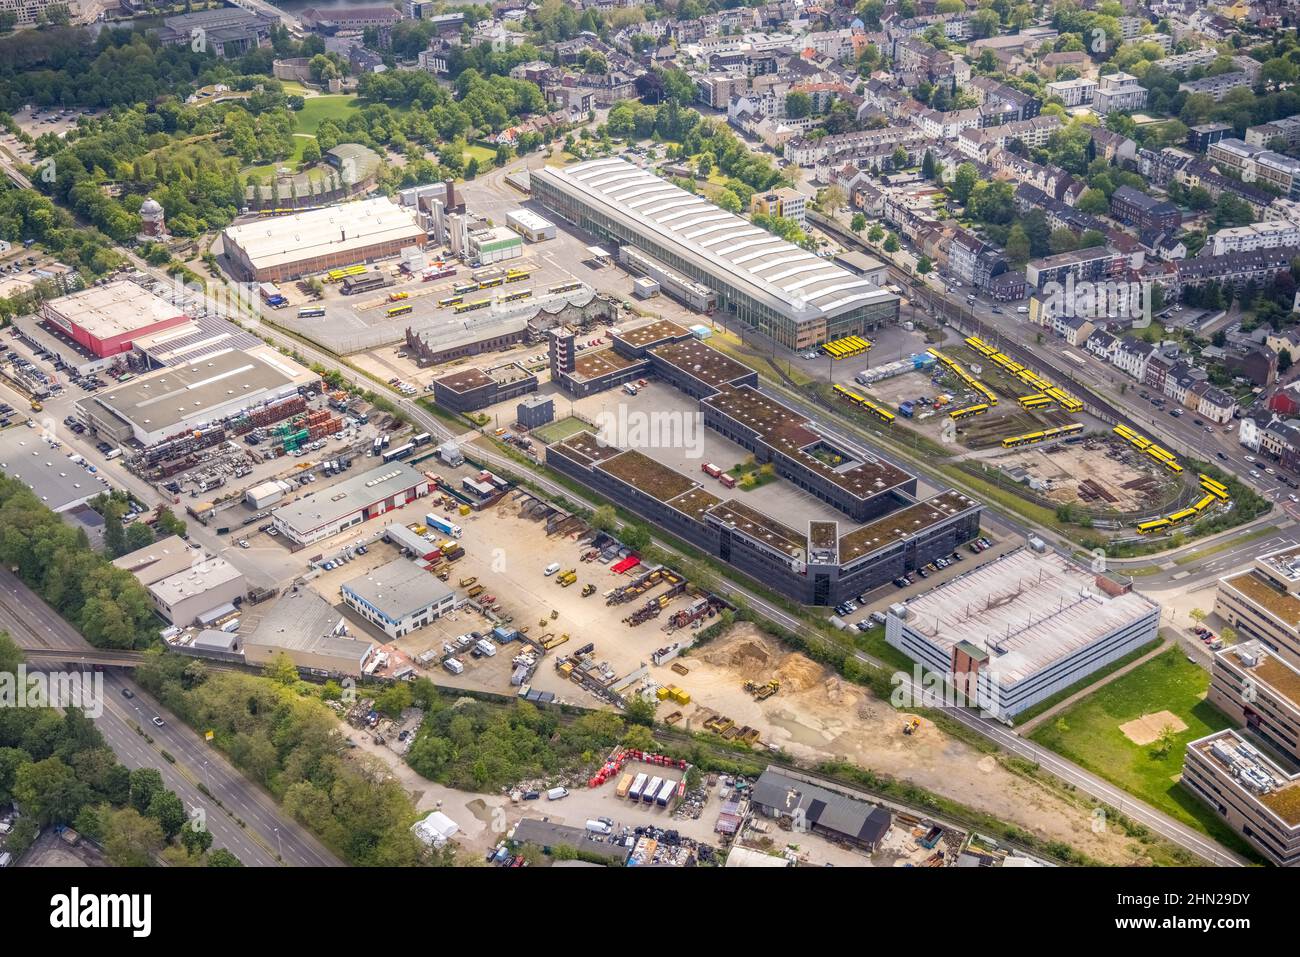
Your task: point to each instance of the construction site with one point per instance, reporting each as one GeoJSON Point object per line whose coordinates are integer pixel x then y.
{"type": "Point", "coordinates": [1099, 473]}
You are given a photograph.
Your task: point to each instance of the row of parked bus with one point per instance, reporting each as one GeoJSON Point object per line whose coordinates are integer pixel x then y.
{"type": "Point", "coordinates": [338, 275]}
{"type": "Point", "coordinates": [1045, 387]}
{"type": "Point", "coordinates": [972, 383]}
{"type": "Point", "coordinates": [1215, 491]}
{"type": "Point", "coordinates": [884, 415]}
{"type": "Point", "coordinates": [1032, 438]}
{"type": "Point", "coordinates": [1147, 447]}
{"type": "Point", "coordinates": [847, 347]}
{"type": "Point", "coordinates": [970, 411]}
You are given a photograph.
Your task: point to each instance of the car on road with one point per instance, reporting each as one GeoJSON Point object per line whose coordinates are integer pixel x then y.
{"type": "Point", "coordinates": [128, 693]}
{"type": "Point", "coordinates": [243, 543]}
{"type": "Point", "coordinates": [1221, 456]}
{"type": "Point", "coordinates": [159, 722]}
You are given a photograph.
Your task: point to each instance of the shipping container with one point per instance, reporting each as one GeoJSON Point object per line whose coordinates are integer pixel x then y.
{"type": "Point", "coordinates": [624, 784]}
{"type": "Point", "coordinates": [666, 791]}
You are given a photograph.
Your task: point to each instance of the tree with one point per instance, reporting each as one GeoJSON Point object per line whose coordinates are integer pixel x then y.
{"type": "Point", "coordinates": [114, 531]}
{"type": "Point", "coordinates": [166, 808]}
{"type": "Point", "coordinates": [195, 840]}
{"type": "Point", "coordinates": [1197, 615]}
{"type": "Point", "coordinates": [311, 152]}
{"type": "Point", "coordinates": [891, 243]}
{"type": "Point", "coordinates": [131, 839]}
{"type": "Point", "coordinates": [964, 181]}
{"type": "Point", "coordinates": [282, 670]}
{"type": "Point", "coordinates": [923, 265]}
{"type": "Point", "coordinates": [144, 784]}
{"type": "Point", "coordinates": [1284, 360]}
{"type": "Point", "coordinates": [640, 710]}
{"type": "Point", "coordinates": [50, 791]}
{"type": "Point", "coordinates": [138, 535]}
{"type": "Point", "coordinates": [928, 166]}
{"type": "Point", "coordinates": [1017, 247]}
{"type": "Point", "coordinates": [1092, 201]}
{"type": "Point", "coordinates": [223, 858]}
{"type": "Point", "coordinates": [858, 223]}
{"type": "Point", "coordinates": [875, 234]}
{"type": "Point", "coordinates": [798, 105]}
{"type": "Point", "coordinates": [899, 157]}
{"type": "Point", "coordinates": [604, 518]}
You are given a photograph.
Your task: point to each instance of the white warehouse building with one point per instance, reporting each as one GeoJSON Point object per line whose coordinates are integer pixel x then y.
{"type": "Point", "coordinates": [531, 226]}
{"type": "Point", "coordinates": [1023, 627]}
{"type": "Point", "coordinates": [368, 495]}
{"type": "Point", "coordinates": [399, 597]}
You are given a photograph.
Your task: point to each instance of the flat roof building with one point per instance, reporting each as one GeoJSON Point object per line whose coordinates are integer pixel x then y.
{"type": "Point", "coordinates": [831, 813]}
{"type": "Point", "coordinates": [365, 496]}
{"type": "Point", "coordinates": [1253, 794]}
{"type": "Point", "coordinates": [166, 403]}
{"type": "Point", "coordinates": [107, 319]}
{"type": "Point", "coordinates": [183, 597]}
{"type": "Point", "coordinates": [398, 597]}
{"type": "Point", "coordinates": [287, 247]}
{"type": "Point", "coordinates": [1023, 627]}
{"type": "Point", "coordinates": [311, 631]}
{"type": "Point", "coordinates": [162, 559]}
{"type": "Point", "coordinates": [1264, 603]}
{"type": "Point", "coordinates": [1261, 691]}
{"type": "Point", "coordinates": [531, 226]}
{"type": "Point", "coordinates": [58, 482]}
{"type": "Point", "coordinates": [793, 295]}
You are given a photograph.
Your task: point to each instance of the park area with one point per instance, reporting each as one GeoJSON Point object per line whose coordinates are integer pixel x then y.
{"type": "Point", "coordinates": [1133, 732]}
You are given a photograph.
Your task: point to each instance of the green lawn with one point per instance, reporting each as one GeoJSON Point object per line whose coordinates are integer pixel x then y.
{"type": "Point", "coordinates": [559, 430]}
{"type": "Point", "coordinates": [317, 109]}
{"type": "Point", "coordinates": [1088, 734]}
{"type": "Point", "coordinates": [484, 155]}
{"type": "Point", "coordinates": [873, 643]}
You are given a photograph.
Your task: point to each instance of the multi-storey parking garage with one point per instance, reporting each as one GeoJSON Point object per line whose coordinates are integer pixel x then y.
{"type": "Point", "coordinates": [789, 293]}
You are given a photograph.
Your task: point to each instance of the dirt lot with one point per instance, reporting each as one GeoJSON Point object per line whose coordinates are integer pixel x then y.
{"type": "Point", "coordinates": [816, 716]}
{"type": "Point", "coordinates": [1097, 474]}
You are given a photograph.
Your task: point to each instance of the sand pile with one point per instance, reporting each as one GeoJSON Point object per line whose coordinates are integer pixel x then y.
{"type": "Point", "coordinates": [798, 673]}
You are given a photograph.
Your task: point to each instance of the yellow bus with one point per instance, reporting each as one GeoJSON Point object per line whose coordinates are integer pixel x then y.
{"type": "Point", "coordinates": [465, 287]}
{"type": "Point", "coordinates": [1174, 467]}
{"type": "Point", "coordinates": [1218, 493]}
{"type": "Point", "coordinates": [470, 306]}
{"type": "Point", "coordinates": [883, 415]}
{"type": "Point", "coordinates": [1030, 402]}
{"type": "Point", "coordinates": [520, 294]}
{"type": "Point", "coordinates": [1204, 503]}
{"type": "Point", "coordinates": [489, 283]}
{"type": "Point", "coordinates": [565, 287]}
{"type": "Point", "coordinates": [451, 301]}
{"type": "Point", "coordinates": [517, 275]}
{"type": "Point", "coordinates": [980, 346]}
{"type": "Point", "coordinates": [1210, 484]}
{"type": "Point", "coordinates": [1182, 516]}
{"type": "Point", "coordinates": [398, 296]}
{"type": "Point", "coordinates": [969, 411]}
{"type": "Point", "coordinates": [1159, 524]}
{"type": "Point", "coordinates": [1029, 438]}
{"type": "Point", "coordinates": [400, 310]}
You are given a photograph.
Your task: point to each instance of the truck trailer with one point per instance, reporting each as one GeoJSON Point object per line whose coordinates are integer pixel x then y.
{"type": "Point", "coordinates": [651, 790]}
{"type": "Point", "coordinates": [443, 524]}
{"type": "Point", "coordinates": [638, 786]}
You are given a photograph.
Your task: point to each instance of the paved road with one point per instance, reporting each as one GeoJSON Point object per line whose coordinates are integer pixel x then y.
{"type": "Point", "coordinates": [266, 832]}
{"type": "Point", "coordinates": [1085, 782]}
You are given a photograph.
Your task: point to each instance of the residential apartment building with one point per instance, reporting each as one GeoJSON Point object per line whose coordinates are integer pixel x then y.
{"type": "Point", "coordinates": [1076, 92]}
{"type": "Point", "coordinates": [1217, 87]}
{"type": "Point", "coordinates": [784, 202]}
{"type": "Point", "coordinates": [1265, 235]}
{"type": "Point", "coordinates": [1119, 93]}
{"type": "Point", "coordinates": [1287, 130]}
{"type": "Point", "coordinates": [1135, 208]}
{"type": "Point", "coordinates": [1091, 264]}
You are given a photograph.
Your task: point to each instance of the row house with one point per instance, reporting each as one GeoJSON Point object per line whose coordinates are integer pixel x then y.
{"type": "Point", "coordinates": [956, 26]}
{"type": "Point", "coordinates": [1059, 214]}
{"type": "Point", "coordinates": [1257, 164]}
{"type": "Point", "coordinates": [1033, 133]}
{"type": "Point", "coordinates": [1052, 180]}
{"type": "Point", "coordinates": [1112, 147]}
{"type": "Point", "coordinates": [1094, 264]}
{"type": "Point", "coordinates": [1215, 404]}
{"type": "Point", "coordinates": [875, 158]}
{"type": "Point", "coordinates": [1280, 441]}
{"type": "Point", "coordinates": [807, 153]}
{"type": "Point", "coordinates": [1073, 329]}
{"type": "Point", "coordinates": [1259, 266]}
{"type": "Point", "coordinates": [1131, 356]}
{"type": "Point", "coordinates": [1204, 175]}
{"type": "Point", "coordinates": [1162, 167]}
{"type": "Point", "coordinates": [1101, 344]}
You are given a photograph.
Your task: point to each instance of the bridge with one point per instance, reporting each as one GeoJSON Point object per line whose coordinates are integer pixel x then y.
{"type": "Point", "coordinates": [83, 656]}
{"type": "Point", "coordinates": [291, 23]}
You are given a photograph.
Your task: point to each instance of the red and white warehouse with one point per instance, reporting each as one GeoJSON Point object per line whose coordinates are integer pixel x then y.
{"type": "Point", "coordinates": [106, 320]}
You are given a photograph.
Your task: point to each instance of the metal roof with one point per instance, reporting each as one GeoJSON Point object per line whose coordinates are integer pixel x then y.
{"type": "Point", "coordinates": [722, 244]}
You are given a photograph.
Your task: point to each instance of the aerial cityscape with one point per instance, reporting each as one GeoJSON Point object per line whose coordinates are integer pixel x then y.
{"type": "Point", "coordinates": [650, 433]}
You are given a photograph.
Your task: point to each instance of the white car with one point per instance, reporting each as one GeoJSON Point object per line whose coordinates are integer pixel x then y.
{"type": "Point", "coordinates": [243, 543]}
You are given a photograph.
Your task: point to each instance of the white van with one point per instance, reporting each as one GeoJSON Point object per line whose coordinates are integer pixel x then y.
{"type": "Point", "coordinates": [1023, 310]}
{"type": "Point", "coordinates": [454, 666]}
{"type": "Point", "coordinates": [551, 569]}
{"type": "Point", "coordinates": [554, 794]}
{"type": "Point", "coordinates": [5, 858]}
